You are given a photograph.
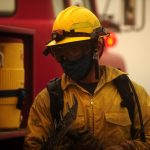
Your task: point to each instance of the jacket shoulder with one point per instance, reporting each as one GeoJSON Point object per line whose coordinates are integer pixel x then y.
{"type": "Point", "coordinates": [42, 98]}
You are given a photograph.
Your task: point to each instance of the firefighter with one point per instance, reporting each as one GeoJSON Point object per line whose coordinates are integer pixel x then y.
{"type": "Point", "coordinates": [97, 120]}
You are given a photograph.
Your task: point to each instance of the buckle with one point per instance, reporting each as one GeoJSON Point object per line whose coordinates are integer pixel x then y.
{"type": "Point", "coordinates": [58, 35]}
{"type": "Point", "coordinates": [99, 32]}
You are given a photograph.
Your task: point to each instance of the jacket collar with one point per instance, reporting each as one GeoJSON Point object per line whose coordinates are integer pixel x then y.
{"type": "Point", "coordinates": [108, 74]}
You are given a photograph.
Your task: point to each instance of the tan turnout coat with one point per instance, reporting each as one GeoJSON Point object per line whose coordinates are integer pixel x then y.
{"type": "Point", "coordinates": [101, 112]}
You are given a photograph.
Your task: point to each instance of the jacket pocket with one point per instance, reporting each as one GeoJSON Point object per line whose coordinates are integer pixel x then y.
{"type": "Point", "coordinates": [118, 118]}
{"type": "Point", "coordinates": [117, 128]}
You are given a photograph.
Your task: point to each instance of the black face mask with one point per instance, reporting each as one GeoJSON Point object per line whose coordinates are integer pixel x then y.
{"type": "Point", "coordinates": [79, 68]}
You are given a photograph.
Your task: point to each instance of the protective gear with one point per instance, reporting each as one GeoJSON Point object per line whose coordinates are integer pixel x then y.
{"type": "Point", "coordinates": [100, 112]}
{"type": "Point", "coordinates": [78, 69]}
{"type": "Point", "coordinates": [76, 24]}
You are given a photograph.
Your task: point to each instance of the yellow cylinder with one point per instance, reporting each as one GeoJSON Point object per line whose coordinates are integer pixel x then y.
{"type": "Point", "coordinates": [11, 78]}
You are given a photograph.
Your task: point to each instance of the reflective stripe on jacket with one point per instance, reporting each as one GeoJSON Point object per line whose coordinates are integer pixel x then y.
{"type": "Point", "coordinates": [100, 112]}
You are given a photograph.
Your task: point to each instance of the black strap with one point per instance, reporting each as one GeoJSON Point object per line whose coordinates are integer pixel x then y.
{"type": "Point", "coordinates": [20, 93]}
{"type": "Point", "coordinates": [142, 133]}
{"type": "Point", "coordinates": [129, 99]}
{"type": "Point", "coordinates": [56, 98]}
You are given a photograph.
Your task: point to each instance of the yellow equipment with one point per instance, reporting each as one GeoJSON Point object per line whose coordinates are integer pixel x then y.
{"type": "Point", "coordinates": [11, 81]}
{"type": "Point", "coordinates": [75, 19]}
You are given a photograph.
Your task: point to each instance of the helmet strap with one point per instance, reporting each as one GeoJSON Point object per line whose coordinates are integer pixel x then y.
{"type": "Point", "coordinates": [97, 70]}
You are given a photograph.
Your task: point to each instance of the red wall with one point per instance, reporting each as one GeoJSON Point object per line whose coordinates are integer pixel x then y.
{"type": "Point", "coordinates": [37, 15]}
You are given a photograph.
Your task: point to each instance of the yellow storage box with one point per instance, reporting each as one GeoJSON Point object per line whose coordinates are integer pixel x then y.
{"type": "Point", "coordinates": [11, 79]}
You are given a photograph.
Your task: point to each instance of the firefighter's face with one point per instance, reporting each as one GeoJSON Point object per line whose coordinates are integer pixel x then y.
{"type": "Point", "coordinates": [71, 51]}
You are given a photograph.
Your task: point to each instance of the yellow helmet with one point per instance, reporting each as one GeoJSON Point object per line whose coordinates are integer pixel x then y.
{"type": "Point", "coordinates": [75, 24]}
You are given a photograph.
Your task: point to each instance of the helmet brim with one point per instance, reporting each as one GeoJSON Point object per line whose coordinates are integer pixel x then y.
{"type": "Point", "coordinates": [72, 39]}
{"type": "Point", "coordinates": [67, 40]}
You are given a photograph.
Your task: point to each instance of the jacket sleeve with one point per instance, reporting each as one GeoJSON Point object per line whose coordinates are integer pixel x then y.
{"type": "Point", "coordinates": [144, 100]}
{"type": "Point", "coordinates": [39, 122]}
